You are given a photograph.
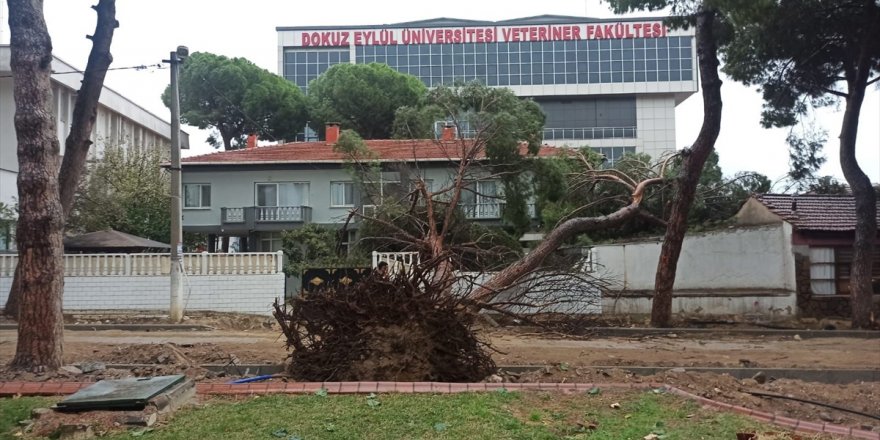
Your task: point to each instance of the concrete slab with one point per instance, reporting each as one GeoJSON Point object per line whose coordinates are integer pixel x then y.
{"type": "Point", "coordinates": [119, 393]}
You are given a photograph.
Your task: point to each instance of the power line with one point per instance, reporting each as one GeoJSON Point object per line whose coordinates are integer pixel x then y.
{"type": "Point", "coordinates": [139, 67]}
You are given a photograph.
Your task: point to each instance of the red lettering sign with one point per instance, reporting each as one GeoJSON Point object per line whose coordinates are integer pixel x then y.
{"type": "Point", "coordinates": [486, 34]}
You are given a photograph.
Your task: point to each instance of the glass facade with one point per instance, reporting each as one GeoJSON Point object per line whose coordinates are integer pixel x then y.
{"type": "Point", "coordinates": [589, 118]}
{"type": "Point", "coordinates": [613, 154]}
{"type": "Point", "coordinates": [514, 63]}
{"type": "Point", "coordinates": [304, 65]}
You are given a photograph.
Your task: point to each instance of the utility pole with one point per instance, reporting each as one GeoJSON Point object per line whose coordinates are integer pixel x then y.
{"type": "Point", "coordinates": [175, 313]}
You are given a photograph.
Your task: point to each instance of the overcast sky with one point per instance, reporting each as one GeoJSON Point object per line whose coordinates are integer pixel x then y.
{"type": "Point", "coordinates": [149, 30]}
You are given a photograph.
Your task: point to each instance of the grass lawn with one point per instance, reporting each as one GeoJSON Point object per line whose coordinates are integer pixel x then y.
{"type": "Point", "coordinates": [496, 415]}
{"type": "Point", "coordinates": [13, 410]}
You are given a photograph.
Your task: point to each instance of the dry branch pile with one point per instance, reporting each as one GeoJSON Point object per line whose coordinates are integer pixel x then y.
{"type": "Point", "coordinates": [395, 329]}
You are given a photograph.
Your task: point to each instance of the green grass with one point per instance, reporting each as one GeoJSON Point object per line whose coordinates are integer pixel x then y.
{"type": "Point", "coordinates": [13, 410]}
{"type": "Point", "coordinates": [495, 415]}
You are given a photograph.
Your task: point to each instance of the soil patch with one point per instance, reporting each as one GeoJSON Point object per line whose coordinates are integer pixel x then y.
{"type": "Point", "coordinates": [863, 396]}
{"type": "Point", "coordinates": [169, 354]}
{"type": "Point", "coordinates": [217, 320]}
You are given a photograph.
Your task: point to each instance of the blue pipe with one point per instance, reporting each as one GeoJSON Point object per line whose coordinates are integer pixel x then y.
{"type": "Point", "coordinates": [254, 379]}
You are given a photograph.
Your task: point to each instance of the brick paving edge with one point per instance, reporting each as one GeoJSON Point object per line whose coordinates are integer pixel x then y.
{"type": "Point", "coordinates": [9, 389]}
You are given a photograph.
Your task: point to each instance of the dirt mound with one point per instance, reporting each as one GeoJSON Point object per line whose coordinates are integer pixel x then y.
{"type": "Point", "coordinates": [168, 354]}
{"type": "Point", "coordinates": [380, 329]}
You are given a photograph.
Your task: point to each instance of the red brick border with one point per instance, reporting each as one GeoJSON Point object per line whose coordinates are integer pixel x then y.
{"type": "Point", "coordinates": [60, 388]}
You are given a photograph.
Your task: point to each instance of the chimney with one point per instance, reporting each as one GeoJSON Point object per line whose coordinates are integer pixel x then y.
{"type": "Point", "coordinates": [448, 132]}
{"type": "Point", "coordinates": [251, 141]}
{"type": "Point", "coordinates": [332, 132]}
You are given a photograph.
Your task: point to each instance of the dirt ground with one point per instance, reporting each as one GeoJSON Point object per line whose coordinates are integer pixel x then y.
{"type": "Point", "coordinates": [252, 340]}
{"type": "Point", "coordinates": [264, 346]}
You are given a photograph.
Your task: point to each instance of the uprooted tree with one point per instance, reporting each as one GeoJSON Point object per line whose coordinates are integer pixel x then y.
{"type": "Point", "coordinates": [416, 323]}
{"type": "Point", "coordinates": [411, 326]}
{"type": "Point", "coordinates": [45, 195]}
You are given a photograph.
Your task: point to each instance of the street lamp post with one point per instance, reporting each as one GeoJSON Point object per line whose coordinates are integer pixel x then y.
{"type": "Point", "coordinates": [175, 313]}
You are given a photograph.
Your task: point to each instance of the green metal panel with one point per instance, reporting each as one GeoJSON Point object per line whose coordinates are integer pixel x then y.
{"type": "Point", "coordinates": [133, 392]}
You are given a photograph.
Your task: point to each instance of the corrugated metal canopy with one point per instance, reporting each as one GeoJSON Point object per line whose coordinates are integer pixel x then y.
{"type": "Point", "coordinates": [111, 239]}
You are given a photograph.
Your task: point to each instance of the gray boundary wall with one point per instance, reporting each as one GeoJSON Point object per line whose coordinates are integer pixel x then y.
{"type": "Point", "coordinates": [740, 270]}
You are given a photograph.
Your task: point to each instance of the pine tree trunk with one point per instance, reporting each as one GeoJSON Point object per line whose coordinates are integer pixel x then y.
{"type": "Point", "coordinates": [85, 110]}
{"type": "Point", "coordinates": [40, 222]}
{"type": "Point", "coordinates": [691, 169]}
{"type": "Point", "coordinates": [861, 289]}
{"type": "Point", "coordinates": [84, 114]}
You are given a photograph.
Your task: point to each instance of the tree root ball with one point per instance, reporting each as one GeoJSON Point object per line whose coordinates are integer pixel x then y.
{"type": "Point", "coordinates": [382, 330]}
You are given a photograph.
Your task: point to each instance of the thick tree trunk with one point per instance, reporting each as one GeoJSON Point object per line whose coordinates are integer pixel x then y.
{"type": "Point", "coordinates": [861, 290]}
{"type": "Point", "coordinates": [41, 220]}
{"type": "Point", "coordinates": [84, 113]}
{"type": "Point", "coordinates": [555, 238]}
{"type": "Point", "coordinates": [76, 147]}
{"type": "Point", "coordinates": [691, 169]}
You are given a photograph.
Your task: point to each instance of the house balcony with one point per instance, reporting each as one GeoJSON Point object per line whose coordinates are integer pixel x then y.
{"type": "Point", "coordinates": [490, 211]}
{"type": "Point", "coordinates": [265, 218]}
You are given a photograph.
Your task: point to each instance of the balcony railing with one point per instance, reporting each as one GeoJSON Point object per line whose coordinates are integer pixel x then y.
{"type": "Point", "coordinates": [101, 265]}
{"type": "Point", "coordinates": [590, 133]}
{"type": "Point", "coordinates": [232, 215]}
{"type": "Point", "coordinates": [290, 214]}
{"type": "Point", "coordinates": [490, 211]}
{"type": "Point", "coordinates": [266, 214]}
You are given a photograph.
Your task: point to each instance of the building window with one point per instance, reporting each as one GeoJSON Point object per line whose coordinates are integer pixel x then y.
{"type": "Point", "coordinates": [197, 195]}
{"type": "Point", "coordinates": [830, 270]}
{"type": "Point", "coordinates": [843, 257]}
{"type": "Point", "coordinates": [341, 194]}
{"type": "Point", "coordinates": [822, 273]}
{"type": "Point", "coordinates": [7, 234]}
{"type": "Point", "coordinates": [483, 200]}
{"type": "Point", "coordinates": [283, 194]}
{"type": "Point", "coordinates": [347, 241]}
{"type": "Point", "coordinates": [613, 154]}
{"type": "Point", "coordinates": [513, 63]}
{"type": "Point", "coordinates": [271, 242]}
{"type": "Point", "coordinates": [303, 65]}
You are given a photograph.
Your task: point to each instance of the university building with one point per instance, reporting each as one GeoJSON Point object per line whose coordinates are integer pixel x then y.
{"type": "Point", "coordinates": [120, 122]}
{"type": "Point", "coordinates": [610, 84]}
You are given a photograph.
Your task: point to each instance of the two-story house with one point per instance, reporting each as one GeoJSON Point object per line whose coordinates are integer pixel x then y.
{"type": "Point", "coordinates": [258, 192]}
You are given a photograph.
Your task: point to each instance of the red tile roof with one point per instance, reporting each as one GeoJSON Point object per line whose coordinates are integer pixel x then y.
{"type": "Point", "coordinates": [425, 150]}
{"type": "Point", "coordinates": [813, 212]}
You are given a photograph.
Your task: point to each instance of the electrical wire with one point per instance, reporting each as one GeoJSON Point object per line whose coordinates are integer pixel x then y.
{"type": "Point", "coordinates": [139, 67]}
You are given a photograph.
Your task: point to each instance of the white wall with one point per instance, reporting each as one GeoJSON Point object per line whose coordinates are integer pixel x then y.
{"type": "Point", "coordinates": [8, 153]}
{"type": "Point", "coordinates": [240, 283]}
{"type": "Point", "coordinates": [655, 124]}
{"type": "Point", "coordinates": [252, 294]}
{"type": "Point", "coordinates": [735, 271]}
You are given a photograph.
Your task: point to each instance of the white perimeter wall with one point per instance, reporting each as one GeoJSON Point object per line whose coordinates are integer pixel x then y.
{"type": "Point", "coordinates": [239, 283]}
{"type": "Point", "coordinates": [252, 294]}
{"type": "Point", "coordinates": [735, 271]}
